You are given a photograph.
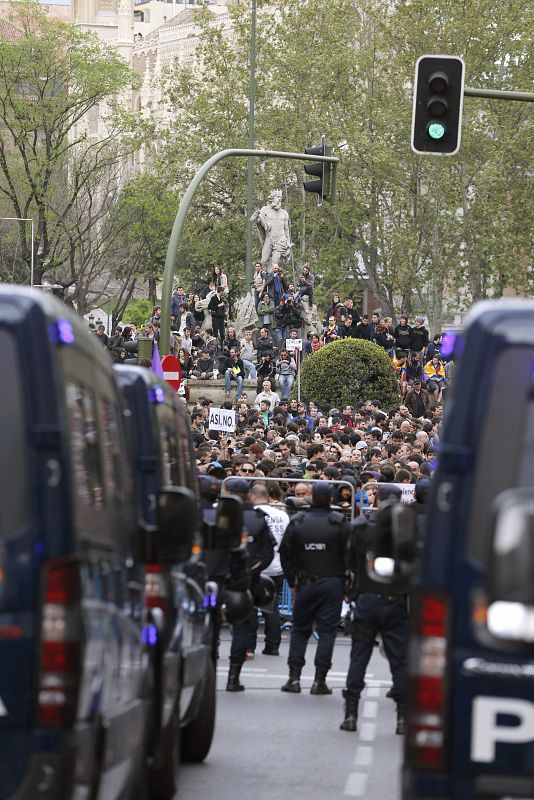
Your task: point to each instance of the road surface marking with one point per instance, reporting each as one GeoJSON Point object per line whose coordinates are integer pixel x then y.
{"type": "Point", "coordinates": [364, 756]}
{"type": "Point", "coordinates": [370, 709]}
{"type": "Point", "coordinates": [356, 784]}
{"type": "Point", "coordinates": [373, 691]}
{"type": "Point", "coordinates": [367, 731]}
{"type": "Point", "coordinates": [277, 675]}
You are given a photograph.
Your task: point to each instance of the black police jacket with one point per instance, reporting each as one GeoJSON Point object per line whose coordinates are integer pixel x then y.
{"type": "Point", "coordinates": [315, 544]}
{"type": "Point", "coordinates": [367, 539]}
{"type": "Point", "coordinates": [260, 541]}
{"type": "Point", "coordinates": [225, 566]}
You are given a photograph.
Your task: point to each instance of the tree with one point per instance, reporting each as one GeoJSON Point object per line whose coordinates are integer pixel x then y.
{"type": "Point", "coordinates": [55, 81]}
{"type": "Point", "coordinates": [427, 233]}
{"type": "Point", "coordinates": [348, 371]}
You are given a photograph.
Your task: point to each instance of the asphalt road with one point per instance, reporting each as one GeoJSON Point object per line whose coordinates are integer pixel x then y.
{"type": "Point", "coordinates": [270, 745]}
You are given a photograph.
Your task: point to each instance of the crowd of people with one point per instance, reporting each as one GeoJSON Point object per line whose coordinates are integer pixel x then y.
{"type": "Point", "coordinates": [356, 451]}
{"type": "Point", "coordinates": [309, 472]}
{"type": "Point", "coordinates": [208, 345]}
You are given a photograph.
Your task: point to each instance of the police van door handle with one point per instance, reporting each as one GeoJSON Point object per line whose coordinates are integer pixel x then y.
{"type": "Point", "coordinates": [443, 496]}
{"type": "Point", "coordinates": [54, 473]}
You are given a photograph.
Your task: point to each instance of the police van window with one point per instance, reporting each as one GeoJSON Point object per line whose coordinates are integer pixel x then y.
{"type": "Point", "coordinates": [116, 483]}
{"type": "Point", "coordinates": [168, 447]}
{"type": "Point", "coordinates": [505, 454]}
{"type": "Point", "coordinates": [186, 457]}
{"type": "Point", "coordinates": [83, 441]}
{"type": "Point", "coordinates": [13, 449]}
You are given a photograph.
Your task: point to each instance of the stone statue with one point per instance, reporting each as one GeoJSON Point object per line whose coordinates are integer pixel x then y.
{"type": "Point", "coordinates": [272, 222]}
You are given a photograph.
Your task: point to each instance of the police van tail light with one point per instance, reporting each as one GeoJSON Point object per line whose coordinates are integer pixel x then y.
{"type": "Point", "coordinates": [156, 591]}
{"type": "Point", "coordinates": [428, 683]}
{"type": "Point", "coordinates": [60, 652]}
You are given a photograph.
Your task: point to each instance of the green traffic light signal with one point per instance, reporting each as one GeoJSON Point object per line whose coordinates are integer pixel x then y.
{"type": "Point", "coordinates": [437, 105]}
{"type": "Point", "coordinates": [436, 131]}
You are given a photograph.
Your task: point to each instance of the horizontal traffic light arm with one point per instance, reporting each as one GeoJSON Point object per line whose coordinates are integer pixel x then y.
{"type": "Point", "coordinates": [176, 233]}
{"type": "Point", "coordinates": [500, 94]}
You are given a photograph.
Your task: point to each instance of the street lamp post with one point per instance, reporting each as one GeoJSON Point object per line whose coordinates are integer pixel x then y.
{"type": "Point", "coordinates": [251, 145]}
{"type": "Point", "coordinates": [25, 219]}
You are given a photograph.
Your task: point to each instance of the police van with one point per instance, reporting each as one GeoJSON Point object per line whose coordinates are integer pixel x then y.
{"type": "Point", "coordinates": [470, 711]}
{"type": "Point", "coordinates": [74, 706]}
{"type": "Point", "coordinates": [176, 584]}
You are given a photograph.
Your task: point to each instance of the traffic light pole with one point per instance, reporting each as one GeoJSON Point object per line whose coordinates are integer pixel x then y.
{"type": "Point", "coordinates": [176, 233]}
{"type": "Point", "coordinates": [499, 94]}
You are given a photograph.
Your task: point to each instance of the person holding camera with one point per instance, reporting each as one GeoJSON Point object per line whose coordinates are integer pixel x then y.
{"type": "Point", "coordinates": [285, 371]}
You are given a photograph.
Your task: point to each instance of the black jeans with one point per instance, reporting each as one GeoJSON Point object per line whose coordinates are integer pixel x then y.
{"type": "Point", "coordinates": [317, 601]}
{"type": "Point", "coordinates": [218, 328]}
{"type": "Point", "coordinates": [375, 614]}
{"type": "Point", "coordinates": [242, 633]}
{"type": "Point", "coordinates": [273, 628]}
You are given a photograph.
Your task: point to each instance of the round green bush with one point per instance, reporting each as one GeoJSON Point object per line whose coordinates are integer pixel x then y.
{"type": "Point", "coordinates": [346, 372]}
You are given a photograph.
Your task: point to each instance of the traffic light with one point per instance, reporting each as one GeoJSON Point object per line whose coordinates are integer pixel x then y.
{"type": "Point", "coordinates": [437, 105]}
{"type": "Point", "coordinates": [324, 172]}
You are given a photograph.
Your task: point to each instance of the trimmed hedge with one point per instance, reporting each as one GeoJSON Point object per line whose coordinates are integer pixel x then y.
{"type": "Point", "coordinates": [348, 371]}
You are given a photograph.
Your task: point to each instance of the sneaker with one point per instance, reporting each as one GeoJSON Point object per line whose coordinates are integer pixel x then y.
{"type": "Point", "coordinates": [270, 651]}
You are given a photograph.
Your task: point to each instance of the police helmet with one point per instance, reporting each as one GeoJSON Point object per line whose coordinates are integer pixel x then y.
{"type": "Point", "coordinates": [238, 486]}
{"type": "Point", "coordinates": [236, 606]}
{"type": "Point", "coordinates": [422, 490]}
{"type": "Point", "coordinates": [322, 494]}
{"type": "Point", "coordinates": [209, 487]}
{"type": "Point", "coordinates": [263, 592]}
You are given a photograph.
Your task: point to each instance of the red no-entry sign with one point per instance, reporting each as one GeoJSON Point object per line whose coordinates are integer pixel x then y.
{"type": "Point", "coordinates": [172, 371]}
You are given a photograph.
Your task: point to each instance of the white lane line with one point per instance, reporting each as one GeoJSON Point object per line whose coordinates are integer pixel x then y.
{"type": "Point", "coordinates": [248, 669]}
{"type": "Point", "coordinates": [364, 756]}
{"type": "Point", "coordinates": [367, 731]}
{"type": "Point", "coordinates": [380, 684]}
{"type": "Point", "coordinates": [277, 676]}
{"type": "Point", "coordinates": [370, 709]}
{"type": "Point", "coordinates": [356, 784]}
{"type": "Point", "coordinates": [373, 691]}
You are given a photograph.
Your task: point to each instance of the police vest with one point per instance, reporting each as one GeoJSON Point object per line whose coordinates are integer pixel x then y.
{"type": "Point", "coordinates": [319, 542]}
{"type": "Point", "coordinates": [363, 545]}
{"type": "Point", "coordinates": [217, 561]}
{"type": "Point", "coordinates": [256, 524]}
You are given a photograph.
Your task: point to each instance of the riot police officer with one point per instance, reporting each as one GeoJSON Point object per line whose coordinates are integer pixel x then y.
{"type": "Point", "coordinates": [228, 568]}
{"type": "Point", "coordinates": [260, 546]}
{"type": "Point", "coordinates": [375, 608]}
{"type": "Point", "coordinates": [313, 556]}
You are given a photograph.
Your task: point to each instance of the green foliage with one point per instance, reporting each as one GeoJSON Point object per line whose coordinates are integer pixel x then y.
{"type": "Point", "coordinates": [349, 371]}
{"type": "Point", "coordinates": [430, 234]}
{"type": "Point", "coordinates": [138, 312]}
{"type": "Point", "coordinates": [56, 81]}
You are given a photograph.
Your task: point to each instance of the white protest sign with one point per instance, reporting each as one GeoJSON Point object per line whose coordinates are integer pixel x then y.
{"type": "Point", "coordinates": [293, 344]}
{"type": "Point", "coordinates": [408, 492]}
{"type": "Point", "coordinates": [221, 419]}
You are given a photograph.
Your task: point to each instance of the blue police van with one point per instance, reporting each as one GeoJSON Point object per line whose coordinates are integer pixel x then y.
{"type": "Point", "coordinates": [177, 589]}
{"type": "Point", "coordinates": [74, 705]}
{"type": "Point", "coordinates": [470, 710]}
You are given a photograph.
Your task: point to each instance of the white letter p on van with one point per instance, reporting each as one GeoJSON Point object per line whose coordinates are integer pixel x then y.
{"type": "Point", "coordinates": [486, 731]}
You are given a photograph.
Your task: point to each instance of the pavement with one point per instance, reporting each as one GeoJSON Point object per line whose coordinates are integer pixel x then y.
{"type": "Point", "coordinates": [270, 745]}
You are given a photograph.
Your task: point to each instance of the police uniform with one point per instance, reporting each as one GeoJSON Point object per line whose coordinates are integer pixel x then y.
{"type": "Point", "coordinates": [375, 609]}
{"type": "Point", "coordinates": [313, 556]}
{"type": "Point", "coordinates": [228, 568]}
{"type": "Point", "coordinates": [260, 547]}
